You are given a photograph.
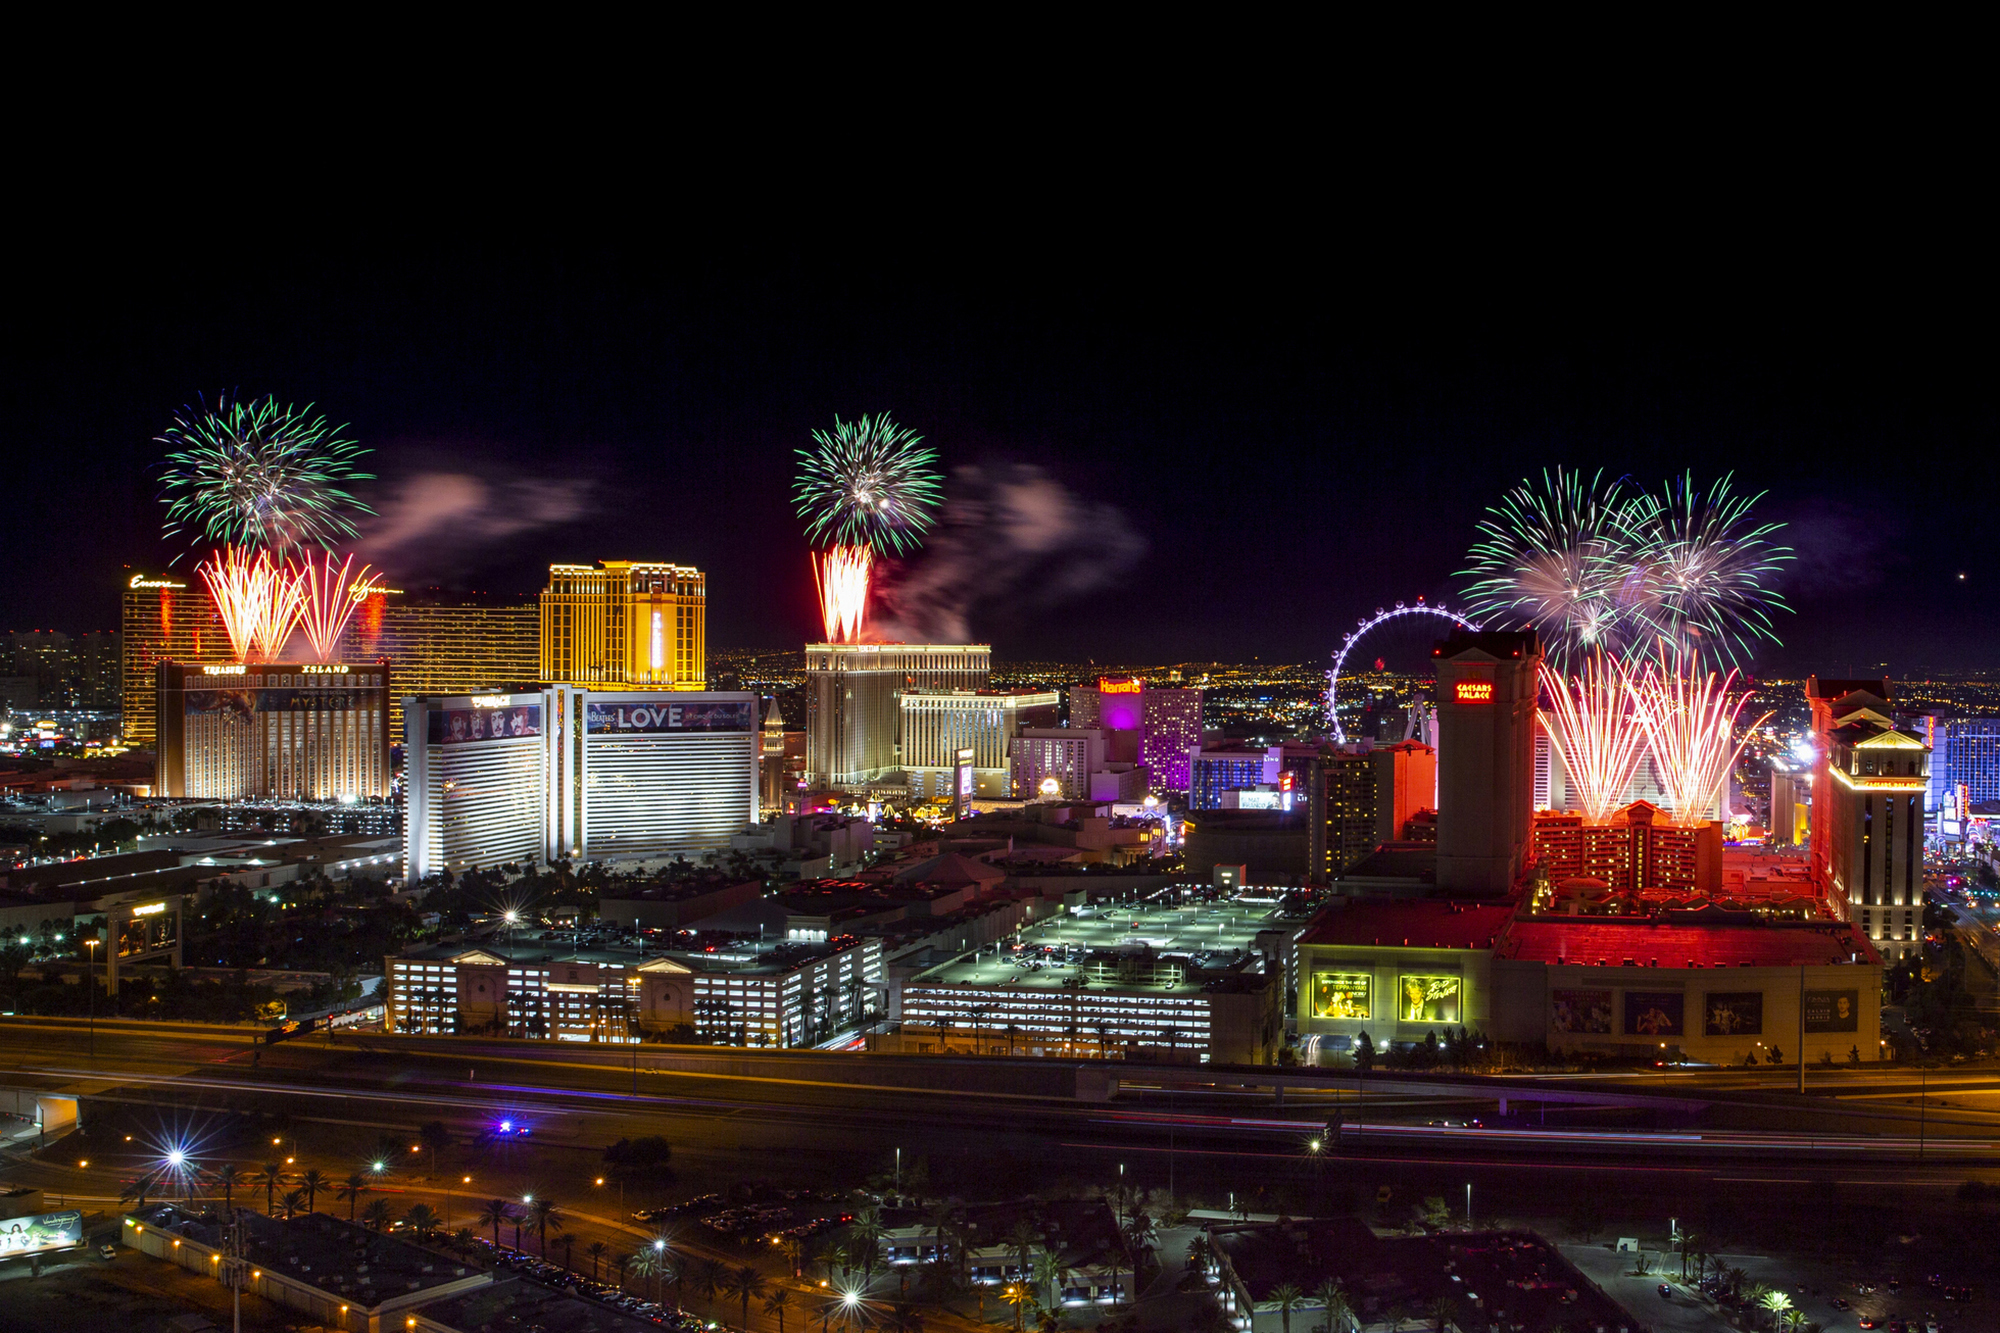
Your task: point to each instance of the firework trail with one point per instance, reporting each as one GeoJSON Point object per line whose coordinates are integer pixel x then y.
{"type": "Point", "coordinates": [1691, 725]}
{"type": "Point", "coordinates": [867, 489]}
{"type": "Point", "coordinates": [328, 597]}
{"type": "Point", "coordinates": [1595, 728]}
{"type": "Point", "coordinates": [258, 599]}
{"type": "Point", "coordinates": [259, 475]}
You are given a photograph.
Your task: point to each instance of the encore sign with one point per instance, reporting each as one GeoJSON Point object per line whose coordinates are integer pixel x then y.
{"type": "Point", "coordinates": [1472, 691]}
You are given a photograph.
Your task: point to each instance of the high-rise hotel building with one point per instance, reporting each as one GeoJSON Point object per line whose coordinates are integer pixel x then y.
{"type": "Point", "coordinates": [441, 643]}
{"type": "Point", "coordinates": [937, 725]}
{"type": "Point", "coordinates": [625, 625]}
{"type": "Point", "coordinates": [1867, 834]}
{"type": "Point", "coordinates": [854, 692]}
{"type": "Point", "coordinates": [560, 772]}
{"type": "Point", "coordinates": [307, 731]}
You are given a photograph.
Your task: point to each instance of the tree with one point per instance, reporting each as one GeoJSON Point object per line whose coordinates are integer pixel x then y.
{"type": "Point", "coordinates": [1018, 1295]}
{"type": "Point", "coordinates": [639, 1158]}
{"type": "Point", "coordinates": [270, 1176]}
{"type": "Point", "coordinates": [1440, 1311]}
{"type": "Point", "coordinates": [708, 1281]}
{"type": "Point", "coordinates": [1775, 1303]}
{"type": "Point", "coordinates": [356, 1185]}
{"type": "Point", "coordinates": [1689, 1244]}
{"type": "Point", "coordinates": [747, 1284]}
{"type": "Point", "coordinates": [377, 1215]}
{"type": "Point", "coordinates": [422, 1219]}
{"type": "Point", "coordinates": [293, 1203]}
{"type": "Point", "coordinates": [1141, 1235]}
{"type": "Point", "coordinates": [1048, 1274]}
{"type": "Point", "coordinates": [1023, 1239]}
{"type": "Point", "coordinates": [227, 1176]}
{"type": "Point", "coordinates": [314, 1180]}
{"type": "Point", "coordinates": [435, 1136]}
{"type": "Point", "coordinates": [1287, 1297]}
{"type": "Point", "coordinates": [595, 1252]}
{"type": "Point", "coordinates": [779, 1303]}
{"type": "Point", "coordinates": [794, 1251]}
{"type": "Point", "coordinates": [495, 1213]}
{"type": "Point", "coordinates": [645, 1263]}
{"type": "Point", "coordinates": [1364, 1053]}
{"type": "Point", "coordinates": [1333, 1298]}
{"type": "Point", "coordinates": [547, 1213]}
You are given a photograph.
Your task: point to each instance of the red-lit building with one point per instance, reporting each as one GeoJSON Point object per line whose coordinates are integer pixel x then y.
{"type": "Point", "coordinates": [1636, 851]}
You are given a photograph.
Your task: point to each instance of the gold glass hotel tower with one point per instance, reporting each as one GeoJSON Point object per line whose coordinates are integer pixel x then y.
{"type": "Point", "coordinates": [627, 624]}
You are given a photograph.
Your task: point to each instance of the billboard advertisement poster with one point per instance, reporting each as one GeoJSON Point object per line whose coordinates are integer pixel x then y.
{"type": "Point", "coordinates": [1833, 1010]}
{"type": "Point", "coordinates": [454, 726]}
{"type": "Point", "coordinates": [1733, 1014]}
{"type": "Point", "coordinates": [1587, 1011]}
{"type": "Point", "coordinates": [1341, 994]}
{"type": "Point", "coordinates": [42, 1231]}
{"type": "Point", "coordinates": [232, 705]}
{"type": "Point", "coordinates": [651, 718]}
{"type": "Point", "coordinates": [1429, 999]}
{"type": "Point", "coordinates": [1655, 1013]}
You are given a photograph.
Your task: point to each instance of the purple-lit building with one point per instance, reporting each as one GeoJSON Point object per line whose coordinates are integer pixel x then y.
{"type": "Point", "coordinates": [1157, 728]}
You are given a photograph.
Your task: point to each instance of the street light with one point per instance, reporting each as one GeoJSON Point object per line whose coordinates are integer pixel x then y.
{"type": "Point", "coordinates": [90, 984]}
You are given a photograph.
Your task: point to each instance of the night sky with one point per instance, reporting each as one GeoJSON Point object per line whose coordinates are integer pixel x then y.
{"type": "Point", "coordinates": [1256, 437]}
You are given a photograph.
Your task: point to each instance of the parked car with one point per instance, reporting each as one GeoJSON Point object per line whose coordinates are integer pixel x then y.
{"type": "Point", "coordinates": [107, 1251]}
{"type": "Point", "coordinates": [1666, 1292]}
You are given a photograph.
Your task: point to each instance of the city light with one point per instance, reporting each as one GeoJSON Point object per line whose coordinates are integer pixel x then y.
{"type": "Point", "coordinates": [1690, 720]}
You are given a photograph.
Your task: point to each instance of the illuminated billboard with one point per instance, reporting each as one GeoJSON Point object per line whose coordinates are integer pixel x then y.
{"type": "Point", "coordinates": [1586, 1012]}
{"type": "Point", "coordinates": [453, 726]}
{"type": "Point", "coordinates": [1832, 1010]}
{"type": "Point", "coordinates": [1733, 1014]}
{"type": "Point", "coordinates": [1429, 999]}
{"type": "Point", "coordinates": [1655, 1013]}
{"type": "Point", "coordinates": [41, 1232]}
{"type": "Point", "coordinates": [1341, 994]}
{"type": "Point", "coordinates": [1472, 691]}
{"type": "Point", "coordinates": [651, 718]}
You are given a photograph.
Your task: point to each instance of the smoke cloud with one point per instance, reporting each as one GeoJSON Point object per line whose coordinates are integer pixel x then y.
{"type": "Point", "coordinates": [1011, 540]}
{"type": "Point", "coordinates": [435, 520]}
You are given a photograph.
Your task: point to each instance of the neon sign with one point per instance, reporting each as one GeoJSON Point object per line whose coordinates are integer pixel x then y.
{"type": "Point", "coordinates": [311, 670]}
{"type": "Point", "coordinates": [1472, 691]}
{"type": "Point", "coordinates": [489, 701]}
{"type": "Point", "coordinates": [150, 909]}
{"type": "Point", "coordinates": [1108, 686]}
{"type": "Point", "coordinates": [235, 670]}
{"type": "Point", "coordinates": [141, 581]}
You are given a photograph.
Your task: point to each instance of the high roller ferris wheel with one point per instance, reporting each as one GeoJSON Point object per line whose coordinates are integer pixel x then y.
{"type": "Point", "coordinates": [1361, 630]}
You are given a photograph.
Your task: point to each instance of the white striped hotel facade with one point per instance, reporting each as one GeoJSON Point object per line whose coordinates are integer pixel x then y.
{"type": "Point", "coordinates": [594, 776]}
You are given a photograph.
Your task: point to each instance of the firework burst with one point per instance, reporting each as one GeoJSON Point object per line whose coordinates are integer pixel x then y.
{"type": "Point", "coordinates": [1595, 566]}
{"type": "Point", "coordinates": [260, 475]}
{"type": "Point", "coordinates": [1691, 723]}
{"type": "Point", "coordinates": [1705, 566]}
{"type": "Point", "coordinates": [328, 597]}
{"type": "Point", "coordinates": [1596, 730]}
{"type": "Point", "coordinates": [869, 483]}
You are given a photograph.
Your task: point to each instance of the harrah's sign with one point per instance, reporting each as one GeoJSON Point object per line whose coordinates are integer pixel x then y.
{"type": "Point", "coordinates": [1108, 686]}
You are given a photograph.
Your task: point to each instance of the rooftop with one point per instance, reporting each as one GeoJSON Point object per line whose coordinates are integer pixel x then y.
{"type": "Point", "coordinates": [1604, 942]}
{"type": "Point", "coordinates": [761, 957]}
{"type": "Point", "coordinates": [517, 1304]}
{"type": "Point", "coordinates": [1136, 946]}
{"type": "Point", "coordinates": [322, 1251]}
{"type": "Point", "coordinates": [1410, 924]}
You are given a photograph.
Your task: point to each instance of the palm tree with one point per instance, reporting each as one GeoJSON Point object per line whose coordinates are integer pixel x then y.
{"type": "Point", "coordinates": [938, 1218]}
{"type": "Point", "coordinates": [351, 1189]}
{"type": "Point", "coordinates": [1287, 1297]}
{"type": "Point", "coordinates": [1775, 1303]}
{"type": "Point", "coordinates": [568, 1242]}
{"type": "Point", "coordinates": [494, 1213]}
{"type": "Point", "coordinates": [644, 1264]}
{"type": "Point", "coordinates": [547, 1213]}
{"type": "Point", "coordinates": [270, 1176]}
{"type": "Point", "coordinates": [293, 1203]}
{"type": "Point", "coordinates": [1333, 1296]}
{"type": "Point", "coordinates": [778, 1303]}
{"type": "Point", "coordinates": [423, 1219]}
{"type": "Point", "coordinates": [1022, 1240]}
{"type": "Point", "coordinates": [622, 1262]}
{"type": "Point", "coordinates": [378, 1214]}
{"type": "Point", "coordinates": [1018, 1294]}
{"type": "Point", "coordinates": [708, 1281]}
{"type": "Point", "coordinates": [1048, 1275]}
{"type": "Point", "coordinates": [1440, 1311]}
{"type": "Point", "coordinates": [1141, 1236]}
{"type": "Point", "coordinates": [227, 1176]}
{"type": "Point", "coordinates": [595, 1252]}
{"type": "Point", "coordinates": [1117, 1257]}
{"type": "Point", "coordinates": [794, 1251]}
{"type": "Point", "coordinates": [139, 1189]}
{"type": "Point", "coordinates": [745, 1282]}
{"type": "Point", "coordinates": [1689, 1244]}
{"type": "Point", "coordinates": [314, 1180]}
{"type": "Point", "coordinates": [866, 1230]}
